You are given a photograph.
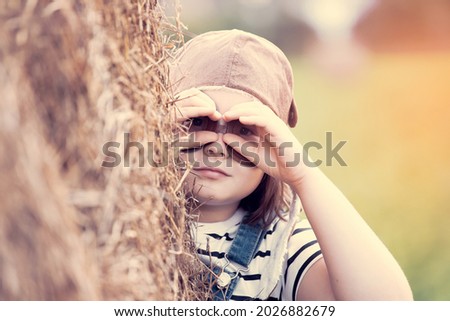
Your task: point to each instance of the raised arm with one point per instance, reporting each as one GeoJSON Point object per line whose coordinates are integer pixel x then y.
{"type": "Point", "coordinates": [356, 265]}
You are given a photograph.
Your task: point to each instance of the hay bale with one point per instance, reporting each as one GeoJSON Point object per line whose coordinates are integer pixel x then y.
{"type": "Point", "coordinates": [75, 75]}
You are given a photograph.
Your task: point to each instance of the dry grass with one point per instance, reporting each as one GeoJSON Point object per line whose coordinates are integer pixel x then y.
{"type": "Point", "coordinates": [73, 76]}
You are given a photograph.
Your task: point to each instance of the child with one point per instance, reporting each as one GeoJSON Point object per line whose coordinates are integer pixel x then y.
{"type": "Point", "coordinates": [234, 94]}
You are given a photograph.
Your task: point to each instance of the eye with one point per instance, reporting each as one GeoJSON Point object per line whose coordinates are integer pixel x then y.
{"type": "Point", "coordinates": [197, 122]}
{"type": "Point", "coordinates": [235, 127]}
{"type": "Point", "coordinates": [244, 131]}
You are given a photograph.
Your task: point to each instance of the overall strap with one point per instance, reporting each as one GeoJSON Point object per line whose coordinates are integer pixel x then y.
{"type": "Point", "coordinates": [245, 244]}
{"type": "Point", "coordinates": [242, 250]}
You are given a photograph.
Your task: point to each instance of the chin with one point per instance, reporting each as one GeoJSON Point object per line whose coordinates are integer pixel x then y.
{"type": "Point", "coordinates": [213, 199]}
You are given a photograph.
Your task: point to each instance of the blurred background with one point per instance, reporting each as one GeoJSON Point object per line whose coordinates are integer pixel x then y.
{"type": "Point", "coordinates": [376, 74]}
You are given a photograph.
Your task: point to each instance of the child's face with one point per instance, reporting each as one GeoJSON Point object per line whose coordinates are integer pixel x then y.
{"type": "Point", "coordinates": [217, 178]}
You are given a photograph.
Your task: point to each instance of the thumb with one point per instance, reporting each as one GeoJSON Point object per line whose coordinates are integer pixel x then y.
{"type": "Point", "coordinates": [246, 152]}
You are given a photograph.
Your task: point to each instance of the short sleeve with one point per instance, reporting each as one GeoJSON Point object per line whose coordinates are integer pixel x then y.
{"type": "Point", "coordinates": [303, 252]}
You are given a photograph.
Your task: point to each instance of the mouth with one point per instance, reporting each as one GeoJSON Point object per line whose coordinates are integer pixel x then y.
{"type": "Point", "coordinates": [210, 172]}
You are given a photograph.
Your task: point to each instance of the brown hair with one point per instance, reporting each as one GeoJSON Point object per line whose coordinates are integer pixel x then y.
{"type": "Point", "coordinates": [269, 198]}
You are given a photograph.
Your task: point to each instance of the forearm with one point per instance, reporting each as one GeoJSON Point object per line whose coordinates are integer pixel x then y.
{"type": "Point", "coordinates": [360, 266]}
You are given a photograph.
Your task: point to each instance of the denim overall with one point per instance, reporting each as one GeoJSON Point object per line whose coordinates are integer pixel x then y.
{"type": "Point", "coordinates": [242, 250]}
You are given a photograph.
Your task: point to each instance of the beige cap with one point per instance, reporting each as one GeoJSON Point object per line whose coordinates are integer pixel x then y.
{"type": "Point", "coordinates": [238, 60]}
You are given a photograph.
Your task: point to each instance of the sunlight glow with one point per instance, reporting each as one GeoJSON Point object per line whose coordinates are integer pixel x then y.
{"type": "Point", "coordinates": [333, 18]}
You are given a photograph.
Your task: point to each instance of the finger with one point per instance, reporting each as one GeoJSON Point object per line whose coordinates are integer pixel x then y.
{"type": "Point", "coordinates": [247, 109]}
{"type": "Point", "coordinates": [195, 140]}
{"type": "Point", "coordinates": [194, 97]}
{"type": "Point", "coordinates": [194, 101]}
{"type": "Point", "coordinates": [267, 124]}
{"type": "Point", "coordinates": [204, 105]}
{"type": "Point", "coordinates": [187, 112]}
{"type": "Point", "coordinates": [236, 142]}
{"type": "Point", "coordinates": [258, 120]}
{"type": "Point", "coordinates": [285, 152]}
{"type": "Point", "coordinates": [248, 149]}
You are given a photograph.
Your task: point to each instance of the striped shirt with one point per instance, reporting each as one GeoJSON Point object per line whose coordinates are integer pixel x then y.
{"type": "Point", "coordinates": [213, 240]}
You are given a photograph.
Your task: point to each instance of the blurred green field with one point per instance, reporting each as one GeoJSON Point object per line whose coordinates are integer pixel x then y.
{"type": "Point", "coordinates": [395, 116]}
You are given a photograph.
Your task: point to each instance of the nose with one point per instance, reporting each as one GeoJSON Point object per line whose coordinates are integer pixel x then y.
{"type": "Point", "coordinates": [216, 148]}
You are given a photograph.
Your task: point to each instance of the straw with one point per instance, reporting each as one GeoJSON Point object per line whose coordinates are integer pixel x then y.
{"type": "Point", "coordinates": [75, 75]}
